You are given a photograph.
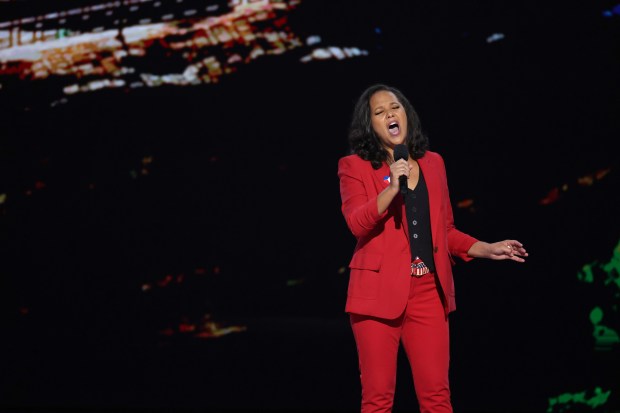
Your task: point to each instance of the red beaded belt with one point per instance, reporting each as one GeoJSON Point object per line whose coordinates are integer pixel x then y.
{"type": "Point", "coordinates": [418, 268]}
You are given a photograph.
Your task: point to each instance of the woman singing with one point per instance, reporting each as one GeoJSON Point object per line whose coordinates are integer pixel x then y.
{"type": "Point", "coordinates": [401, 288]}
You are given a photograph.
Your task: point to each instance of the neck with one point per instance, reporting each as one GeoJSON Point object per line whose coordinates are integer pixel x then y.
{"type": "Point", "coordinates": [390, 157]}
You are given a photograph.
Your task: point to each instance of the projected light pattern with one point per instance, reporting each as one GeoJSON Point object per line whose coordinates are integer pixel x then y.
{"type": "Point", "coordinates": [170, 279]}
{"type": "Point", "coordinates": [587, 180]}
{"type": "Point", "coordinates": [143, 169]}
{"type": "Point", "coordinates": [134, 44]}
{"type": "Point", "coordinates": [206, 328]}
{"type": "Point", "coordinates": [554, 194]}
{"type": "Point", "coordinates": [333, 52]}
{"type": "Point", "coordinates": [209, 48]}
{"type": "Point", "coordinates": [200, 327]}
{"type": "Point", "coordinates": [467, 204]}
{"type": "Point", "coordinates": [614, 11]}
{"type": "Point", "coordinates": [604, 336]}
{"type": "Point", "coordinates": [568, 402]}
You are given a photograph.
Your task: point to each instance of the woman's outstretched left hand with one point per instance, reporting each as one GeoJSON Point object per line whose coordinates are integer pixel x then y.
{"type": "Point", "coordinates": [509, 249]}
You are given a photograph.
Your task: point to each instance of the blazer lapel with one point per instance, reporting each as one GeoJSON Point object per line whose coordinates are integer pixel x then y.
{"type": "Point", "coordinates": [433, 184]}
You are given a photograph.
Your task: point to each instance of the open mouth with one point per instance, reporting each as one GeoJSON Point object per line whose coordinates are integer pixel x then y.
{"type": "Point", "coordinates": [393, 128]}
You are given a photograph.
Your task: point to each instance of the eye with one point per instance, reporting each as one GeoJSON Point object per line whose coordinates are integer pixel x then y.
{"type": "Point", "coordinates": [378, 112]}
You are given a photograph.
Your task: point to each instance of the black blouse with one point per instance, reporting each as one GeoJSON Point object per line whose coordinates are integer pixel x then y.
{"type": "Point", "coordinates": [419, 221]}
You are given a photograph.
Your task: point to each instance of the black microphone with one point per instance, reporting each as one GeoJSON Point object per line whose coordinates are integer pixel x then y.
{"type": "Point", "coordinates": [401, 152]}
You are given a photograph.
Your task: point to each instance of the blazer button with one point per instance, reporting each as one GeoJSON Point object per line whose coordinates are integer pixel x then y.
{"type": "Point", "coordinates": [435, 249]}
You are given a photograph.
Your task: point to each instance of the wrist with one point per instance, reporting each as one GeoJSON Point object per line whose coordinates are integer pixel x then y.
{"type": "Point", "coordinates": [478, 249]}
{"type": "Point", "coordinates": [392, 189]}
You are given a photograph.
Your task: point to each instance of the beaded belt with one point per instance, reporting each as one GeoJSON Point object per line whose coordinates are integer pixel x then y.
{"type": "Point", "coordinates": [418, 268]}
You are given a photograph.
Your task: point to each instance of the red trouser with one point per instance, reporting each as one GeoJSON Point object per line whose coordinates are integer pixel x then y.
{"type": "Point", "coordinates": [424, 333]}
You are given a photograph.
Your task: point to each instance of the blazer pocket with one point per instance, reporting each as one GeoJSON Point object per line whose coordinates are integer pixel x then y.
{"type": "Point", "coordinates": [366, 261]}
{"type": "Point", "coordinates": [364, 280]}
{"type": "Point", "coordinates": [364, 284]}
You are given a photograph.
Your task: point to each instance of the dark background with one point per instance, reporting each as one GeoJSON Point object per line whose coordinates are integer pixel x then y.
{"type": "Point", "coordinates": [243, 186]}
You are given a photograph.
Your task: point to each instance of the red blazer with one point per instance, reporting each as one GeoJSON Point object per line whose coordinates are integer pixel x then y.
{"type": "Point", "coordinates": [381, 265]}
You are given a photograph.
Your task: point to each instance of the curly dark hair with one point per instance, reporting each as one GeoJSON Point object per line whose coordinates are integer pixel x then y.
{"type": "Point", "coordinates": [363, 140]}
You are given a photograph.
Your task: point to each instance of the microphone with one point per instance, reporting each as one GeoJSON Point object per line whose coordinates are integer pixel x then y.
{"type": "Point", "coordinates": [401, 152]}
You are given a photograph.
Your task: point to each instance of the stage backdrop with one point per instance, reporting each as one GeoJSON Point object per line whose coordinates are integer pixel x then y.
{"type": "Point", "coordinates": [170, 209]}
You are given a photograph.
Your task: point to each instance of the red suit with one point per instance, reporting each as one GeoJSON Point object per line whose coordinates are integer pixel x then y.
{"type": "Point", "coordinates": [388, 305]}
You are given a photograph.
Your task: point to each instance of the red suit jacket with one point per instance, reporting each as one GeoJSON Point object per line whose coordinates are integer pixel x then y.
{"type": "Point", "coordinates": [381, 265]}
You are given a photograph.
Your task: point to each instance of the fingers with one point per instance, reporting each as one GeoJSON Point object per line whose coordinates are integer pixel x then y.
{"type": "Point", "coordinates": [513, 243]}
{"type": "Point", "coordinates": [400, 167]}
{"type": "Point", "coordinates": [514, 250]}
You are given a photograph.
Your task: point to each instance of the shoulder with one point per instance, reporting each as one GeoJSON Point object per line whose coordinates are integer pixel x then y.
{"type": "Point", "coordinates": [354, 166]}
{"type": "Point", "coordinates": [433, 158]}
{"type": "Point", "coordinates": [353, 161]}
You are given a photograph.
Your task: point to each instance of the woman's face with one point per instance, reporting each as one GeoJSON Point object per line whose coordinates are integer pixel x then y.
{"type": "Point", "coordinates": [388, 118]}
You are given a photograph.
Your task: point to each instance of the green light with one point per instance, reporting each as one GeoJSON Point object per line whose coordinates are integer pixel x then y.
{"type": "Point", "coordinates": [596, 315]}
{"type": "Point", "coordinates": [586, 274]}
{"type": "Point", "coordinates": [604, 276]}
{"type": "Point", "coordinates": [564, 402]}
{"type": "Point", "coordinates": [612, 268]}
{"type": "Point", "coordinates": [604, 336]}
